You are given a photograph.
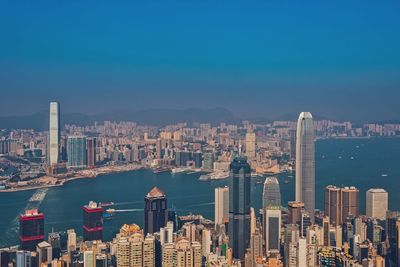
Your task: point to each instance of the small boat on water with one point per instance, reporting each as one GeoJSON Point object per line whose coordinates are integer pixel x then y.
{"type": "Point", "coordinates": [384, 175]}
{"type": "Point", "coordinates": [106, 204]}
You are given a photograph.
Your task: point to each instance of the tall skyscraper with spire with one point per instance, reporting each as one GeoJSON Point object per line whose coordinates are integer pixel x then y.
{"type": "Point", "coordinates": [54, 133]}
{"type": "Point", "coordinates": [305, 162]}
{"type": "Point", "coordinates": [239, 207]}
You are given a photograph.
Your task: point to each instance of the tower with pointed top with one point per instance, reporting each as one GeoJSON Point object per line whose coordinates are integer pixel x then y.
{"type": "Point", "coordinates": [305, 162]}
{"type": "Point", "coordinates": [155, 211]}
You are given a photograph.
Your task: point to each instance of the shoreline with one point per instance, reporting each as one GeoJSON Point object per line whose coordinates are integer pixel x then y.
{"type": "Point", "coordinates": [105, 170]}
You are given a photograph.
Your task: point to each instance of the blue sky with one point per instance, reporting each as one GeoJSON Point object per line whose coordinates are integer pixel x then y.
{"type": "Point", "coordinates": [338, 59]}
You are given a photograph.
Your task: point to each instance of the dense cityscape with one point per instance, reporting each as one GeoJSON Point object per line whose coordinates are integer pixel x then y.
{"type": "Point", "coordinates": [279, 234]}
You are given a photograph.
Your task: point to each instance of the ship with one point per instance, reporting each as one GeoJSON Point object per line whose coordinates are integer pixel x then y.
{"type": "Point", "coordinates": [108, 216]}
{"type": "Point", "coordinates": [214, 176]}
{"type": "Point", "coordinates": [205, 177]}
{"type": "Point", "coordinates": [106, 204]}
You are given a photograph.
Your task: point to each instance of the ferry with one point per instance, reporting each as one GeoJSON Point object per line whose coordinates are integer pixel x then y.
{"type": "Point", "coordinates": [106, 204]}
{"type": "Point", "coordinates": [111, 211]}
{"type": "Point", "coordinates": [384, 175]}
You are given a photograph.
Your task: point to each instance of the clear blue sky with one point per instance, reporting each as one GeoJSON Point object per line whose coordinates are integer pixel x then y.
{"type": "Point", "coordinates": [339, 59]}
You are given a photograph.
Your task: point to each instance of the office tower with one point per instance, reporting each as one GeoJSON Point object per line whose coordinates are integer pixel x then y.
{"type": "Point", "coordinates": [23, 259]}
{"type": "Point", "coordinates": [101, 260]}
{"type": "Point", "coordinates": [31, 229]}
{"type": "Point", "coordinates": [295, 210]}
{"type": "Point", "coordinates": [253, 221]}
{"type": "Point", "coordinates": [158, 148]}
{"type": "Point", "coordinates": [239, 207]}
{"type": "Point", "coordinates": [91, 144]}
{"type": "Point", "coordinates": [92, 222]}
{"type": "Point", "coordinates": [208, 161]}
{"type": "Point", "coordinates": [44, 251]}
{"type": "Point", "coordinates": [71, 241]}
{"type": "Point", "coordinates": [197, 159]}
{"type": "Point", "coordinates": [305, 223]}
{"type": "Point", "coordinates": [54, 240]}
{"type": "Point", "coordinates": [350, 202]}
{"type": "Point", "coordinates": [333, 204]}
{"type": "Point", "coordinates": [251, 145]}
{"type": "Point", "coordinates": [377, 203]}
{"type": "Point", "coordinates": [292, 136]}
{"type": "Point", "coordinates": [221, 205]}
{"type": "Point", "coordinates": [271, 192]}
{"type": "Point", "coordinates": [341, 203]}
{"type": "Point", "coordinates": [326, 231]}
{"type": "Point", "coordinates": [392, 217]}
{"type": "Point", "coordinates": [76, 150]}
{"type": "Point", "coordinates": [54, 133]}
{"type": "Point", "coordinates": [305, 162]}
{"type": "Point", "coordinates": [291, 238]}
{"type": "Point", "coordinates": [205, 242]}
{"type": "Point", "coordinates": [155, 211]}
{"type": "Point", "coordinates": [272, 228]}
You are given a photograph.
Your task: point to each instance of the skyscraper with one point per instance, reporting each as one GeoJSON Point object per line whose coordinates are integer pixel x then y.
{"type": "Point", "coordinates": [31, 229]}
{"type": "Point", "coordinates": [271, 192]}
{"type": "Point", "coordinates": [340, 203]}
{"type": "Point", "coordinates": [155, 211]}
{"type": "Point", "coordinates": [92, 222]}
{"type": "Point", "coordinates": [239, 207]}
{"type": "Point", "coordinates": [350, 202]}
{"type": "Point", "coordinates": [272, 228]}
{"type": "Point", "coordinates": [251, 145]}
{"type": "Point", "coordinates": [377, 203]}
{"type": "Point", "coordinates": [221, 205]}
{"type": "Point", "coordinates": [91, 144]}
{"type": "Point", "coordinates": [54, 133]}
{"type": "Point", "coordinates": [305, 162]}
{"type": "Point", "coordinates": [76, 149]}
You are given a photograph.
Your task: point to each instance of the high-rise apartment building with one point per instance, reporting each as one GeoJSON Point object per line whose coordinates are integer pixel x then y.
{"type": "Point", "coordinates": [239, 207]}
{"type": "Point", "coordinates": [221, 205]}
{"type": "Point", "coordinates": [155, 211]}
{"type": "Point", "coordinates": [305, 162]}
{"type": "Point", "coordinates": [377, 203]}
{"type": "Point", "coordinates": [91, 144]}
{"type": "Point", "coordinates": [251, 145]}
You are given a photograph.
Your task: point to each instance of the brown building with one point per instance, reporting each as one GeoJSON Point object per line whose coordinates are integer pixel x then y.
{"type": "Point", "coordinates": [295, 210]}
{"type": "Point", "coordinates": [340, 203]}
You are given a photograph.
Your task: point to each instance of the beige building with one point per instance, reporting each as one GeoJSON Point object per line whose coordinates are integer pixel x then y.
{"type": "Point", "coordinates": [251, 145]}
{"type": "Point", "coordinates": [377, 203]}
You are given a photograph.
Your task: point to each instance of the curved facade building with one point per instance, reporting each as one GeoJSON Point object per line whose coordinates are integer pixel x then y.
{"type": "Point", "coordinates": [271, 193]}
{"type": "Point", "coordinates": [305, 162]}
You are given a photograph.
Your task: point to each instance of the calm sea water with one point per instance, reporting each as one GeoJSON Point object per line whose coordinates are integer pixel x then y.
{"type": "Point", "coordinates": [359, 162]}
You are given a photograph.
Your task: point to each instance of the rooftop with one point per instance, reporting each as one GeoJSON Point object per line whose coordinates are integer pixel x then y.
{"type": "Point", "coordinates": [155, 192]}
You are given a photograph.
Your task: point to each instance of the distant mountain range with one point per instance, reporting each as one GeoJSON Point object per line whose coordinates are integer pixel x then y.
{"type": "Point", "coordinates": [157, 117]}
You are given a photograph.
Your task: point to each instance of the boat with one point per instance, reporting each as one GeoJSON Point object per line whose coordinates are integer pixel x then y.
{"type": "Point", "coordinates": [106, 204]}
{"type": "Point", "coordinates": [205, 177]}
{"type": "Point", "coordinates": [219, 175]}
{"type": "Point", "coordinates": [108, 216]}
{"type": "Point", "coordinates": [178, 170]}
{"type": "Point", "coordinates": [384, 175]}
{"type": "Point", "coordinates": [110, 211]}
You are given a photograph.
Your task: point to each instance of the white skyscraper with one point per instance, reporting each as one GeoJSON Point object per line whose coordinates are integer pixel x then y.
{"type": "Point", "coordinates": [221, 205]}
{"type": "Point", "coordinates": [377, 203]}
{"type": "Point", "coordinates": [305, 162]}
{"type": "Point", "coordinates": [54, 133]}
